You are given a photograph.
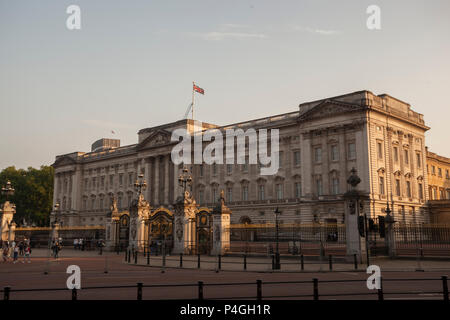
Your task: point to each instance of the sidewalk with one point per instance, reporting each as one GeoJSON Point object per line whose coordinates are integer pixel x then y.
{"type": "Point", "coordinates": [68, 253]}
{"type": "Point", "coordinates": [264, 264]}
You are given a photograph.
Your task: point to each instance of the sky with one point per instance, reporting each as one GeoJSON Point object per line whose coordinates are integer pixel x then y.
{"type": "Point", "coordinates": [132, 64]}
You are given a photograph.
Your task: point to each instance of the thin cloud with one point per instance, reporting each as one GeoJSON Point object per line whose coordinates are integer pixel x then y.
{"type": "Point", "coordinates": [322, 32]}
{"type": "Point", "coordinates": [217, 36]}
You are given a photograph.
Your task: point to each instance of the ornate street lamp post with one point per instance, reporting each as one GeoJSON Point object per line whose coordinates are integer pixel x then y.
{"type": "Point", "coordinates": [140, 185]}
{"type": "Point", "coordinates": [185, 180]}
{"type": "Point", "coordinates": [8, 190]}
{"type": "Point", "coordinates": [54, 222]}
{"type": "Point", "coordinates": [277, 251]}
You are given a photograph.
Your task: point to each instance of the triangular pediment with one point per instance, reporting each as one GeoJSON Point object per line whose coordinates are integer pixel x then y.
{"type": "Point", "coordinates": [63, 161]}
{"type": "Point", "coordinates": [155, 139]}
{"type": "Point", "coordinates": [329, 108]}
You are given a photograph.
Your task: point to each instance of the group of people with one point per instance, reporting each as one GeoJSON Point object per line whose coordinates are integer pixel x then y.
{"type": "Point", "coordinates": [14, 249]}
{"type": "Point", "coordinates": [79, 244]}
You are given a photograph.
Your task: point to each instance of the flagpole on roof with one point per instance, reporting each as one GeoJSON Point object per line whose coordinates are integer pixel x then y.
{"type": "Point", "coordinates": [193, 94]}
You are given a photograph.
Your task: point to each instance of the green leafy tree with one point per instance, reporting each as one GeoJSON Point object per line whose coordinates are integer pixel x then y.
{"type": "Point", "coordinates": [33, 194]}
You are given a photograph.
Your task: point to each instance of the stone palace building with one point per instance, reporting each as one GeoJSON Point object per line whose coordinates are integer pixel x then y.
{"type": "Point", "coordinates": [379, 135]}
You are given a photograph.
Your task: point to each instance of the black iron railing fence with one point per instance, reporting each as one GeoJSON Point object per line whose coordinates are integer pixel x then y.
{"type": "Point", "coordinates": [314, 285]}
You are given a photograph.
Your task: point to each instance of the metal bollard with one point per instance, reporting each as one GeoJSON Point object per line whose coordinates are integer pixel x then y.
{"type": "Point", "coordinates": [273, 262]}
{"type": "Point", "coordinates": [380, 291]}
{"type": "Point", "coordinates": [444, 287]}
{"type": "Point", "coordinates": [6, 291]}
{"type": "Point", "coordinates": [74, 294]}
{"type": "Point", "coordinates": [245, 262]}
{"type": "Point", "coordinates": [220, 262]}
{"type": "Point", "coordinates": [181, 260]}
{"type": "Point", "coordinates": [200, 290]}
{"type": "Point", "coordinates": [316, 289]}
{"type": "Point", "coordinates": [198, 261]}
{"type": "Point", "coordinates": [302, 263]}
{"type": "Point", "coordinates": [330, 262]}
{"type": "Point", "coordinates": [126, 255]}
{"type": "Point", "coordinates": [258, 290]}
{"type": "Point", "coordinates": [355, 261]}
{"type": "Point", "coordinates": [135, 257]}
{"type": "Point", "coordinates": [148, 258]}
{"type": "Point", "coordinates": [139, 290]}
{"type": "Point", "coordinates": [129, 256]}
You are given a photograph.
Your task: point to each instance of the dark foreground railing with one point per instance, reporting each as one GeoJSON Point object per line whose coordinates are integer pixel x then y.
{"type": "Point", "coordinates": [258, 285]}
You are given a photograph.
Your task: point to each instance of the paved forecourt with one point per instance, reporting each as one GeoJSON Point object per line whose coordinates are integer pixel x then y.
{"type": "Point", "coordinates": [110, 269]}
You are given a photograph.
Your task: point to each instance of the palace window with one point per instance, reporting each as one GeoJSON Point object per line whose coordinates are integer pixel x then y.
{"type": "Point", "coordinates": [244, 193]}
{"type": "Point", "coordinates": [397, 187]}
{"type": "Point", "coordinates": [120, 179]}
{"type": "Point", "coordinates": [440, 172]}
{"type": "Point", "coordinates": [448, 194]}
{"type": "Point", "coordinates": [406, 156]}
{"type": "Point", "coordinates": [318, 155]}
{"type": "Point", "coordinates": [419, 160]}
{"type": "Point", "coordinates": [396, 154]}
{"type": "Point", "coordinates": [441, 194]}
{"type": "Point", "coordinates": [229, 168]}
{"type": "Point", "coordinates": [111, 181]}
{"type": "Point", "coordinates": [298, 189]}
{"type": "Point", "coordinates": [297, 158]}
{"type": "Point", "coordinates": [201, 196]}
{"type": "Point", "coordinates": [279, 190]}
{"type": "Point", "coordinates": [408, 189]}
{"type": "Point", "coordinates": [130, 179]}
{"type": "Point", "coordinates": [280, 159]}
{"type": "Point", "coordinates": [102, 181]}
{"type": "Point", "coordinates": [351, 150]}
{"type": "Point", "coordinates": [381, 181]}
{"type": "Point", "coordinates": [245, 167]}
{"type": "Point", "coordinates": [230, 194]}
{"type": "Point", "coordinates": [319, 188]}
{"type": "Point", "coordinates": [201, 170]}
{"type": "Point", "coordinates": [380, 150]}
{"type": "Point", "coordinates": [335, 186]}
{"type": "Point", "coordinates": [420, 191]}
{"type": "Point", "coordinates": [214, 169]}
{"type": "Point", "coordinates": [334, 153]}
{"type": "Point", "coordinates": [214, 195]}
{"type": "Point", "coordinates": [433, 170]}
{"type": "Point", "coordinates": [261, 192]}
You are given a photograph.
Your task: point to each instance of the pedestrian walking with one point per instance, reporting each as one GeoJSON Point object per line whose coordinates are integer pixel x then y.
{"type": "Point", "coordinates": [5, 252]}
{"type": "Point", "coordinates": [27, 253]}
{"type": "Point", "coordinates": [21, 247]}
{"type": "Point", "coordinates": [75, 243]}
{"type": "Point", "coordinates": [16, 253]}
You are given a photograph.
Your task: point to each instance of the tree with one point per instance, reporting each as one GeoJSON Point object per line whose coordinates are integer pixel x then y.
{"type": "Point", "coordinates": [33, 195]}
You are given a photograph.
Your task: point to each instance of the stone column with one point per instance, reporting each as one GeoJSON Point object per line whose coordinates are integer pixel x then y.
{"type": "Point", "coordinates": [148, 179]}
{"type": "Point", "coordinates": [8, 210]}
{"type": "Point", "coordinates": [306, 168]}
{"type": "Point", "coordinates": [184, 224]}
{"type": "Point", "coordinates": [139, 213]}
{"type": "Point", "coordinates": [166, 179]}
{"type": "Point", "coordinates": [353, 209]}
{"type": "Point", "coordinates": [221, 227]}
{"type": "Point", "coordinates": [156, 180]}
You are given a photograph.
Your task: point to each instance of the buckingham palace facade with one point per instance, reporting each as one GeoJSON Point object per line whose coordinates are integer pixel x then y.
{"type": "Point", "coordinates": [378, 135]}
